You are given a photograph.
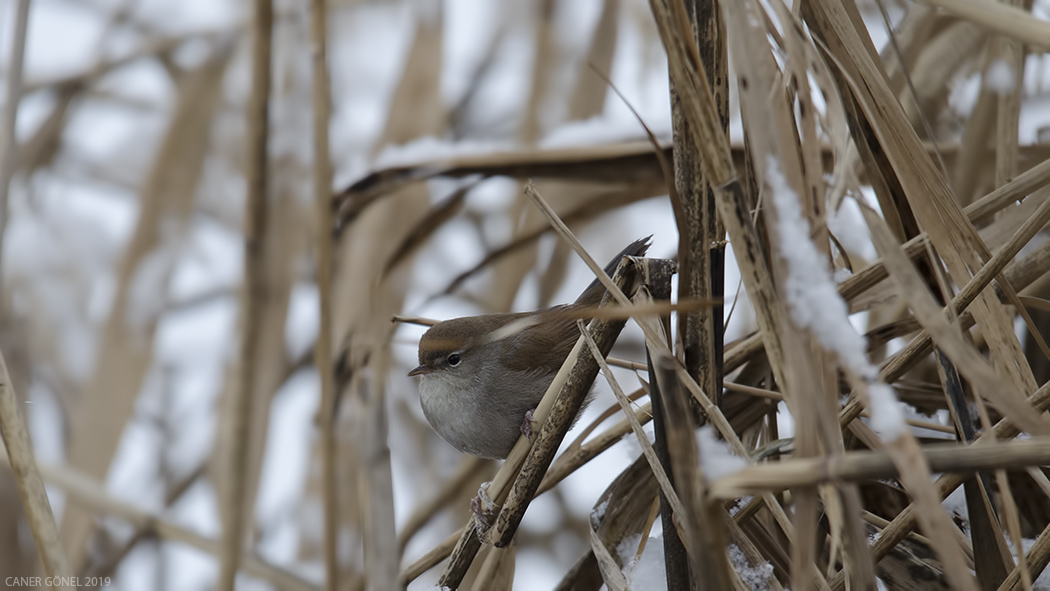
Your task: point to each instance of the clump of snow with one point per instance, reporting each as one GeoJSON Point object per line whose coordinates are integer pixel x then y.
{"type": "Point", "coordinates": [627, 550]}
{"type": "Point", "coordinates": [716, 459]}
{"type": "Point", "coordinates": [847, 224]}
{"type": "Point", "coordinates": [841, 275]}
{"type": "Point", "coordinates": [634, 449]}
{"type": "Point", "coordinates": [755, 578]}
{"type": "Point", "coordinates": [815, 303]}
{"type": "Point", "coordinates": [646, 571]}
{"type": "Point", "coordinates": [599, 513]}
{"type": "Point", "coordinates": [887, 417]}
{"type": "Point", "coordinates": [1000, 77]}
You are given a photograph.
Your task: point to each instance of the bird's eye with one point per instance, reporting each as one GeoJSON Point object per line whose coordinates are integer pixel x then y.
{"type": "Point", "coordinates": [453, 359]}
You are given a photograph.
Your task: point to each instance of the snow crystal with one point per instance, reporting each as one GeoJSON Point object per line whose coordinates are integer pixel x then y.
{"type": "Point", "coordinates": [715, 457]}
{"type": "Point", "coordinates": [634, 449]}
{"type": "Point", "coordinates": [753, 577]}
{"type": "Point", "coordinates": [646, 571]}
{"type": "Point", "coordinates": [627, 549]}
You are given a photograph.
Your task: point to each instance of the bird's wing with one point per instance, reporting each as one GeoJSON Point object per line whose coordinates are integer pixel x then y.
{"type": "Point", "coordinates": [545, 344]}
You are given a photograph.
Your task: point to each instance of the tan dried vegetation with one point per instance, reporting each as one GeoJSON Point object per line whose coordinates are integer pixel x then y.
{"type": "Point", "coordinates": [962, 262]}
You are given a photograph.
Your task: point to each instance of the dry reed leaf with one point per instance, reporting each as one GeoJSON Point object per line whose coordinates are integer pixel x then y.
{"type": "Point", "coordinates": [903, 164]}
{"type": "Point", "coordinates": [365, 300]}
{"type": "Point", "coordinates": [947, 337]}
{"type": "Point", "coordinates": [631, 163]}
{"type": "Point", "coordinates": [619, 514]}
{"type": "Point", "coordinates": [440, 213]}
{"type": "Point", "coordinates": [22, 462]}
{"type": "Point", "coordinates": [808, 377]}
{"type": "Point", "coordinates": [941, 59]}
{"type": "Point", "coordinates": [1004, 19]}
{"type": "Point", "coordinates": [611, 574]}
{"type": "Point", "coordinates": [125, 350]}
{"type": "Point", "coordinates": [918, 25]}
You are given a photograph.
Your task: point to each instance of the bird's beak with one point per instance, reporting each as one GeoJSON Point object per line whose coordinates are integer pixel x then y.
{"type": "Point", "coordinates": [421, 370]}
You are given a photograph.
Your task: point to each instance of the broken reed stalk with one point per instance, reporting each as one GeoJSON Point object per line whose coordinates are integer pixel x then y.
{"type": "Point", "coordinates": [234, 459]}
{"type": "Point", "coordinates": [322, 171]}
{"type": "Point", "coordinates": [705, 535]}
{"type": "Point", "coordinates": [689, 76]}
{"type": "Point", "coordinates": [906, 520]}
{"type": "Point", "coordinates": [876, 465]}
{"type": "Point", "coordinates": [658, 282]}
{"type": "Point", "coordinates": [566, 464]}
{"type": "Point", "coordinates": [622, 510]}
{"type": "Point", "coordinates": [701, 250]}
{"type": "Point", "coordinates": [30, 485]}
{"type": "Point", "coordinates": [649, 452]}
{"type": "Point", "coordinates": [527, 462]}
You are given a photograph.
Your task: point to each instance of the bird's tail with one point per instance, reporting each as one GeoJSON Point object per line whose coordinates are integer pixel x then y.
{"type": "Point", "coordinates": [592, 296]}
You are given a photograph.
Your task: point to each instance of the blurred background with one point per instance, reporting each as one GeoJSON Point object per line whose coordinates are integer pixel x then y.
{"type": "Point", "coordinates": [122, 258]}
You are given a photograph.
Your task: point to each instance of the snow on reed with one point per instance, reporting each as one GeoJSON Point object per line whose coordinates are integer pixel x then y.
{"type": "Point", "coordinates": [815, 303]}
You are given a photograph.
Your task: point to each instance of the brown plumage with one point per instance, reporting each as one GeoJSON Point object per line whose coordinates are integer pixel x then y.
{"type": "Point", "coordinates": [479, 375]}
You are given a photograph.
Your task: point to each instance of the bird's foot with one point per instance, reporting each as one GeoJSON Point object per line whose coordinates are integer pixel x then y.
{"type": "Point", "coordinates": [526, 424]}
{"type": "Point", "coordinates": [484, 509]}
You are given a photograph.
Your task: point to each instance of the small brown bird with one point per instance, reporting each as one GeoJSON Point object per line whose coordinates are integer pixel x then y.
{"type": "Point", "coordinates": [478, 386]}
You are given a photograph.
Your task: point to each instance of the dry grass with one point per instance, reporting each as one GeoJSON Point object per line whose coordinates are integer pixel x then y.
{"type": "Point", "coordinates": [956, 301]}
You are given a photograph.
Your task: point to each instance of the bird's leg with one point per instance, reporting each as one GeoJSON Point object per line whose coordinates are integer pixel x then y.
{"type": "Point", "coordinates": [484, 508]}
{"type": "Point", "coordinates": [526, 424]}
